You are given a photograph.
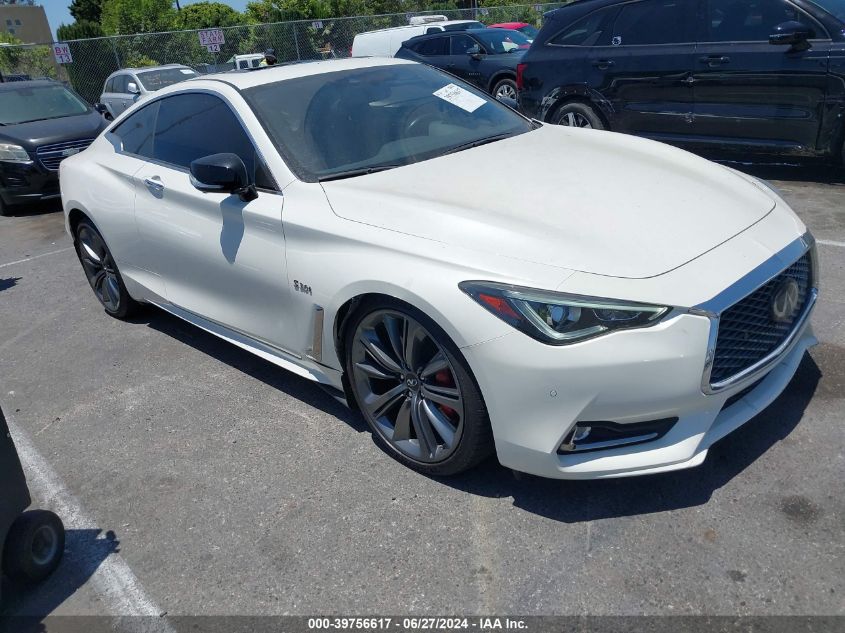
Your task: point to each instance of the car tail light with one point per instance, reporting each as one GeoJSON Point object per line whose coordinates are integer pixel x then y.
{"type": "Point", "coordinates": [520, 82]}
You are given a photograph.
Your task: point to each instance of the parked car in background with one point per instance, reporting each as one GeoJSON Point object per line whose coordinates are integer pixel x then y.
{"type": "Point", "coordinates": [486, 58]}
{"type": "Point", "coordinates": [748, 76]}
{"type": "Point", "coordinates": [528, 30]}
{"type": "Point", "coordinates": [126, 86]}
{"type": "Point", "coordinates": [586, 305]}
{"type": "Point", "coordinates": [385, 42]}
{"type": "Point", "coordinates": [41, 124]}
{"type": "Point", "coordinates": [250, 60]}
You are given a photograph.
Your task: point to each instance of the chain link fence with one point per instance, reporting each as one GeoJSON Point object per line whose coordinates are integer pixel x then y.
{"type": "Point", "coordinates": [95, 59]}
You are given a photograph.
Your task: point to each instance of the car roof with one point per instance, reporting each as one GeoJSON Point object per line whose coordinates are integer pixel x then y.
{"type": "Point", "coordinates": [33, 83]}
{"type": "Point", "coordinates": [146, 68]}
{"type": "Point", "coordinates": [508, 25]}
{"type": "Point", "coordinates": [249, 78]}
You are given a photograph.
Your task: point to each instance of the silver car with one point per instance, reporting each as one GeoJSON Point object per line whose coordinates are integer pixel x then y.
{"type": "Point", "coordinates": [126, 86]}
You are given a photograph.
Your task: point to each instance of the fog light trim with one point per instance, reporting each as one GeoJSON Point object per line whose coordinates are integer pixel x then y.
{"type": "Point", "coordinates": [599, 436]}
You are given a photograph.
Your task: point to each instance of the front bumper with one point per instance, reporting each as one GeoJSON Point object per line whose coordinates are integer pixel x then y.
{"type": "Point", "coordinates": [536, 394]}
{"type": "Point", "coordinates": [23, 183]}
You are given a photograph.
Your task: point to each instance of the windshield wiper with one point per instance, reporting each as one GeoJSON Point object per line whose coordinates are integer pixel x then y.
{"type": "Point", "coordinates": [363, 171]}
{"type": "Point", "coordinates": [482, 141]}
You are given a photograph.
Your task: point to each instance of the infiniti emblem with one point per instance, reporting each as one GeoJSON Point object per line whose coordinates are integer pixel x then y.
{"type": "Point", "coordinates": [785, 301]}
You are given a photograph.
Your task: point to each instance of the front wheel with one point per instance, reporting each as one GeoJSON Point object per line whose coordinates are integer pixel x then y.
{"type": "Point", "coordinates": [34, 546]}
{"type": "Point", "coordinates": [505, 88]}
{"type": "Point", "coordinates": [415, 390]}
{"type": "Point", "coordinates": [577, 114]}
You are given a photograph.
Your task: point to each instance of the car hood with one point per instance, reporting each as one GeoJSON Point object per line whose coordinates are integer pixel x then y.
{"type": "Point", "coordinates": [69, 128]}
{"type": "Point", "coordinates": [582, 200]}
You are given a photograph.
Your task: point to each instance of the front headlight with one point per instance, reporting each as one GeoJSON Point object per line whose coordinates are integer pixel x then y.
{"type": "Point", "coordinates": [13, 153]}
{"type": "Point", "coordinates": [557, 318]}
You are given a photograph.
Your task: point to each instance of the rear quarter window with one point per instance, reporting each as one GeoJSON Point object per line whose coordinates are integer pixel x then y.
{"type": "Point", "coordinates": [591, 30]}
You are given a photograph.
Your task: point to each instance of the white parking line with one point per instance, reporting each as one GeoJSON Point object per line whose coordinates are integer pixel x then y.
{"type": "Point", "coordinates": [831, 243]}
{"type": "Point", "coordinates": [27, 259]}
{"type": "Point", "coordinates": [113, 580]}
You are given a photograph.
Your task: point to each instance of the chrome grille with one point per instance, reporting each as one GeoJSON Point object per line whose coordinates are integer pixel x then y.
{"type": "Point", "coordinates": [51, 155]}
{"type": "Point", "coordinates": [747, 330]}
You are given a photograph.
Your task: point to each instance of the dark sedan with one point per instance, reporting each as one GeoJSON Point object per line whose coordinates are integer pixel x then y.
{"type": "Point", "coordinates": [747, 76]}
{"type": "Point", "coordinates": [41, 123]}
{"type": "Point", "coordinates": [486, 58]}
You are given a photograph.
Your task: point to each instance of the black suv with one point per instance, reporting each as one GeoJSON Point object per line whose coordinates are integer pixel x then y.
{"type": "Point", "coordinates": [762, 76]}
{"type": "Point", "coordinates": [41, 123]}
{"type": "Point", "coordinates": [486, 58]}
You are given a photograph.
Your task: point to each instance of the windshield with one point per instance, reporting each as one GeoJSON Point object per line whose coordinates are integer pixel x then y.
{"type": "Point", "coordinates": [498, 41]}
{"type": "Point", "coordinates": [153, 80]}
{"type": "Point", "coordinates": [36, 103]}
{"type": "Point", "coordinates": [331, 123]}
{"type": "Point", "coordinates": [834, 7]}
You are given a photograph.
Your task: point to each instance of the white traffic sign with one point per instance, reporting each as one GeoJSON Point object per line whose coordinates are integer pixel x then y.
{"type": "Point", "coordinates": [213, 48]}
{"type": "Point", "coordinates": [211, 37]}
{"type": "Point", "coordinates": [62, 54]}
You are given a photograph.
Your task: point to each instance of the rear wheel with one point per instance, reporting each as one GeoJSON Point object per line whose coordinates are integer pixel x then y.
{"type": "Point", "coordinates": [505, 88]}
{"type": "Point", "coordinates": [415, 390]}
{"type": "Point", "coordinates": [102, 273]}
{"type": "Point", "coordinates": [577, 114]}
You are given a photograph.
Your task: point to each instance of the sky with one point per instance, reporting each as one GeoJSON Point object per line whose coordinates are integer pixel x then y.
{"type": "Point", "coordinates": [58, 14]}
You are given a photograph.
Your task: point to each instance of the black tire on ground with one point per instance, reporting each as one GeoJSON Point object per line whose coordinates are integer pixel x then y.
{"type": "Point", "coordinates": [476, 438]}
{"type": "Point", "coordinates": [578, 114]}
{"type": "Point", "coordinates": [4, 208]}
{"type": "Point", "coordinates": [34, 547]}
{"type": "Point", "coordinates": [507, 87]}
{"type": "Point", "coordinates": [118, 303]}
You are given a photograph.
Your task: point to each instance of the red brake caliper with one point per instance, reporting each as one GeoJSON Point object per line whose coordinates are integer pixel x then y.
{"type": "Point", "coordinates": [444, 379]}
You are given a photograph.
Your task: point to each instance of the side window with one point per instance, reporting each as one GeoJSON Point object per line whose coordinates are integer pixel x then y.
{"type": "Point", "coordinates": [120, 84]}
{"type": "Point", "coordinates": [591, 30]}
{"type": "Point", "coordinates": [194, 125]}
{"type": "Point", "coordinates": [434, 46]}
{"type": "Point", "coordinates": [655, 22]}
{"type": "Point", "coordinates": [109, 87]}
{"type": "Point", "coordinates": [461, 44]}
{"type": "Point", "coordinates": [753, 21]}
{"type": "Point", "coordinates": [136, 132]}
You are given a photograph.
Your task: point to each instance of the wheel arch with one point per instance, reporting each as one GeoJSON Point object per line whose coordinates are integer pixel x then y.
{"type": "Point", "coordinates": [498, 76]}
{"type": "Point", "coordinates": [579, 93]}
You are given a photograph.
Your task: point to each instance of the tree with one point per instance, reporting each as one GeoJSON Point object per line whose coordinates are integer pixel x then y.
{"type": "Point", "coordinates": [86, 10]}
{"type": "Point", "coordinates": [35, 61]}
{"type": "Point", "coordinates": [79, 30]}
{"type": "Point", "coordinates": [203, 15]}
{"type": "Point", "coordinates": [124, 17]}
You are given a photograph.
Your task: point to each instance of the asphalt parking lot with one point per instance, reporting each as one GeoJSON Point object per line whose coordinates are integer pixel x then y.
{"type": "Point", "coordinates": [197, 479]}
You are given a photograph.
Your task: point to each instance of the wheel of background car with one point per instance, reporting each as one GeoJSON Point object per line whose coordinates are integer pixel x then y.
{"type": "Point", "coordinates": [505, 88]}
{"type": "Point", "coordinates": [577, 114]}
{"type": "Point", "coordinates": [102, 273]}
{"type": "Point", "coordinates": [34, 546]}
{"type": "Point", "coordinates": [415, 390]}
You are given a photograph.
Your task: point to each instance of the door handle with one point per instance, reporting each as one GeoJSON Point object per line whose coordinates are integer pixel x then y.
{"type": "Point", "coordinates": [603, 64]}
{"type": "Point", "coordinates": [155, 184]}
{"type": "Point", "coordinates": [714, 60]}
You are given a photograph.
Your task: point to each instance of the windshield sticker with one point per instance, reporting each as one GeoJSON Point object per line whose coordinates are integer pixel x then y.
{"type": "Point", "coordinates": [185, 71]}
{"type": "Point", "coordinates": [457, 96]}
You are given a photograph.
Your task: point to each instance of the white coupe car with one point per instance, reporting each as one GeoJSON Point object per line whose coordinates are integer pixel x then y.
{"type": "Point", "coordinates": [583, 303]}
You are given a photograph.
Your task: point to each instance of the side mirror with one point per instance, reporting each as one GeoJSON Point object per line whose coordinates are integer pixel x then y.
{"type": "Point", "coordinates": [132, 87]}
{"type": "Point", "coordinates": [99, 107]}
{"type": "Point", "coordinates": [223, 173]}
{"type": "Point", "coordinates": [475, 52]}
{"type": "Point", "coordinates": [792, 34]}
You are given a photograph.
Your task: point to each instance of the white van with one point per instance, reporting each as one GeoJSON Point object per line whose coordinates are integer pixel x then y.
{"type": "Point", "coordinates": [250, 60]}
{"type": "Point", "coordinates": [386, 42]}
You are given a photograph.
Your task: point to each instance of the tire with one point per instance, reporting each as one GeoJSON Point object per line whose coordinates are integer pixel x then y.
{"type": "Point", "coordinates": [577, 114]}
{"type": "Point", "coordinates": [34, 547]}
{"type": "Point", "coordinates": [4, 208]}
{"type": "Point", "coordinates": [505, 88]}
{"type": "Point", "coordinates": [405, 395]}
{"type": "Point", "coordinates": [102, 272]}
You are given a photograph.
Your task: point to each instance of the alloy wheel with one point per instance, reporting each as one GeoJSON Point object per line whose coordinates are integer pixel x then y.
{"type": "Point", "coordinates": [506, 90]}
{"type": "Point", "coordinates": [575, 119]}
{"type": "Point", "coordinates": [407, 387]}
{"type": "Point", "coordinates": [99, 268]}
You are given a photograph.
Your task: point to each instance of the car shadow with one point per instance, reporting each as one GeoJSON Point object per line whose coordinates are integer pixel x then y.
{"type": "Point", "coordinates": [85, 552]}
{"type": "Point", "coordinates": [8, 282]}
{"type": "Point", "coordinates": [576, 501]}
{"type": "Point", "coordinates": [30, 210]}
{"type": "Point", "coordinates": [250, 364]}
{"type": "Point", "coordinates": [560, 500]}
